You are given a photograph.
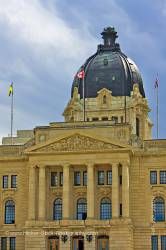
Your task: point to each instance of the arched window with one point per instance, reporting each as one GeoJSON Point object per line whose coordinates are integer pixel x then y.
{"type": "Point", "coordinates": [57, 209]}
{"type": "Point", "coordinates": [81, 209]}
{"type": "Point", "coordinates": [9, 212]}
{"type": "Point", "coordinates": [104, 99]}
{"type": "Point", "coordinates": [158, 209]}
{"type": "Point", "coordinates": [105, 209]}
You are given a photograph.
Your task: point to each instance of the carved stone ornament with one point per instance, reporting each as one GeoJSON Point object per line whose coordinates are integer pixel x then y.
{"type": "Point", "coordinates": [64, 238]}
{"type": "Point", "coordinates": [76, 143]}
{"type": "Point", "coordinates": [89, 237]}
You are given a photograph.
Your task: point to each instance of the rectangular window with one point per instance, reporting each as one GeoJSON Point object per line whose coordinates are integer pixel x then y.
{"type": "Point", "coordinates": [100, 177]}
{"type": "Point", "coordinates": [13, 181]}
{"type": "Point", "coordinates": [104, 118]}
{"type": "Point", "coordinates": [12, 243]}
{"type": "Point", "coordinates": [5, 181]}
{"type": "Point", "coordinates": [54, 179]}
{"type": "Point", "coordinates": [154, 242]}
{"type": "Point", "coordinates": [85, 178]}
{"type": "Point", "coordinates": [153, 177]}
{"type": "Point", "coordinates": [163, 242]}
{"type": "Point", "coordinates": [115, 119]}
{"type": "Point", "coordinates": [120, 179]}
{"type": "Point", "coordinates": [162, 177]}
{"type": "Point", "coordinates": [77, 178]}
{"type": "Point", "coordinates": [109, 177]}
{"type": "Point", "coordinates": [95, 119]}
{"type": "Point", "coordinates": [61, 178]}
{"type": "Point", "coordinates": [120, 212]}
{"type": "Point", "coordinates": [3, 243]}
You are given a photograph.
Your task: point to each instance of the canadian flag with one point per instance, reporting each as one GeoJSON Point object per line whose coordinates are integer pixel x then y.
{"type": "Point", "coordinates": [81, 74]}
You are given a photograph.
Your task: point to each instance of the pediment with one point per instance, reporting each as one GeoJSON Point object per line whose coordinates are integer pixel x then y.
{"type": "Point", "coordinates": [75, 143]}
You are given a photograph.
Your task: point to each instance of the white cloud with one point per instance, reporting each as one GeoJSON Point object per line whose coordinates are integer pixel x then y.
{"type": "Point", "coordinates": [37, 26]}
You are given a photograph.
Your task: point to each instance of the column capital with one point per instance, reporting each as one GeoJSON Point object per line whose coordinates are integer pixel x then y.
{"type": "Point", "coordinates": [115, 164]}
{"type": "Point", "coordinates": [41, 165]}
{"type": "Point", "coordinates": [65, 164]}
{"type": "Point", "coordinates": [125, 163]}
{"type": "Point", "coordinates": [89, 164]}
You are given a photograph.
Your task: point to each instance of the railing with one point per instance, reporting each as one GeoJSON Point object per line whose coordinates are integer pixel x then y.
{"type": "Point", "coordinates": [155, 144]}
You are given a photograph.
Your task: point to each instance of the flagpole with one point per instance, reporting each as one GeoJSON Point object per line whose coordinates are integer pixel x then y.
{"type": "Point", "coordinates": [83, 86]}
{"type": "Point", "coordinates": [12, 116]}
{"type": "Point", "coordinates": [157, 111]}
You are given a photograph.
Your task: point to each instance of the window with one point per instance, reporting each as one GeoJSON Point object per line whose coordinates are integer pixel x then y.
{"type": "Point", "coordinates": [12, 243]}
{"type": "Point", "coordinates": [95, 119]}
{"type": "Point", "coordinates": [100, 177]}
{"type": "Point", "coordinates": [3, 243]}
{"type": "Point", "coordinates": [162, 177]}
{"type": "Point", "coordinates": [81, 209]}
{"type": "Point", "coordinates": [163, 242]}
{"type": "Point", "coordinates": [153, 177]}
{"type": "Point", "coordinates": [57, 210]}
{"type": "Point", "coordinates": [85, 178]}
{"type": "Point", "coordinates": [5, 181]}
{"type": "Point", "coordinates": [137, 127]}
{"type": "Point", "coordinates": [121, 119]}
{"type": "Point", "coordinates": [120, 212]}
{"type": "Point", "coordinates": [154, 242]}
{"type": "Point", "coordinates": [109, 177]}
{"type": "Point", "coordinates": [54, 179]}
{"type": "Point", "coordinates": [77, 178]}
{"type": "Point", "coordinates": [120, 179]}
{"type": "Point", "coordinates": [53, 242]}
{"type": "Point", "coordinates": [105, 118]}
{"type": "Point", "coordinates": [104, 99]}
{"type": "Point", "coordinates": [158, 209]}
{"type": "Point", "coordinates": [105, 209]}
{"type": "Point", "coordinates": [9, 212]}
{"type": "Point", "coordinates": [103, 242]}
{"type": "Point", "coordinates": [61, 178]}
{"type": "Point", "coordinates": [13, 181]}
{"type": "Point", "coordinates": [115, 119]}
{"type": "Point", "coordinates": [105, 61]}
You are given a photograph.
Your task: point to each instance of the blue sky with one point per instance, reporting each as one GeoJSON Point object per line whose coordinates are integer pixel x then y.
{"type": "Point", "coordinates": [44, 42]}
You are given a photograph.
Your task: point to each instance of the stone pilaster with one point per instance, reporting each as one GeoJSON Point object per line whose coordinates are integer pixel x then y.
{"type": "Point", "coordinates": [66, 191]}
{"type": "Point", "coordinates": [42, 193]}
{"type": "Point", "coordinates": [65, 245]}
{"type": "Point", "coordinates": [32, 193]}
{"type": "Point", "coordinates": [90, 191]}
{"type": "Point", "coordinates": [125, 190]}
{"type": "Point", "coordinates": [90, 245]}
{"type": "Point", "coordinates": [115, 191]}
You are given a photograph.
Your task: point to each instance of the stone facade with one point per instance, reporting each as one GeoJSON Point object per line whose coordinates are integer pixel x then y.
{"type": "Point", "coordinates": [89, 183]}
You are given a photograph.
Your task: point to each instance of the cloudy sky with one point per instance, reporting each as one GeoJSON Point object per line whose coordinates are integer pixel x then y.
{"type": "Point", "coordinates": [44, 42]}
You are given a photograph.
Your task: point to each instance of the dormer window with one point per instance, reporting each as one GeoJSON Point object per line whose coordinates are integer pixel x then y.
{"type": "Point", "coordinates": [104, 99]}
{"type": "Point", "coordinates": [105, 61]}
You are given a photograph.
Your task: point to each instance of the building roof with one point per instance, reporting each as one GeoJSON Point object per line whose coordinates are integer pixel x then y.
{"type": "Point", "coordinates": [108, 68]}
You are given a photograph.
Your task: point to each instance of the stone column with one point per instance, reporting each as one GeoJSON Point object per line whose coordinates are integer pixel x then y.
{"type": "Point", "coordinates": [66, 191]}
{"type": "Point", "coordinates": [32, 193]}
{"type": "Point", "coordinates": [125, 190]}
{"type": "Point", "coordinates": [90, 191]}
{"type": "Point", "coordinates": [115, 191]}
{"type": "Point", "coordinates": [42, 192]}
